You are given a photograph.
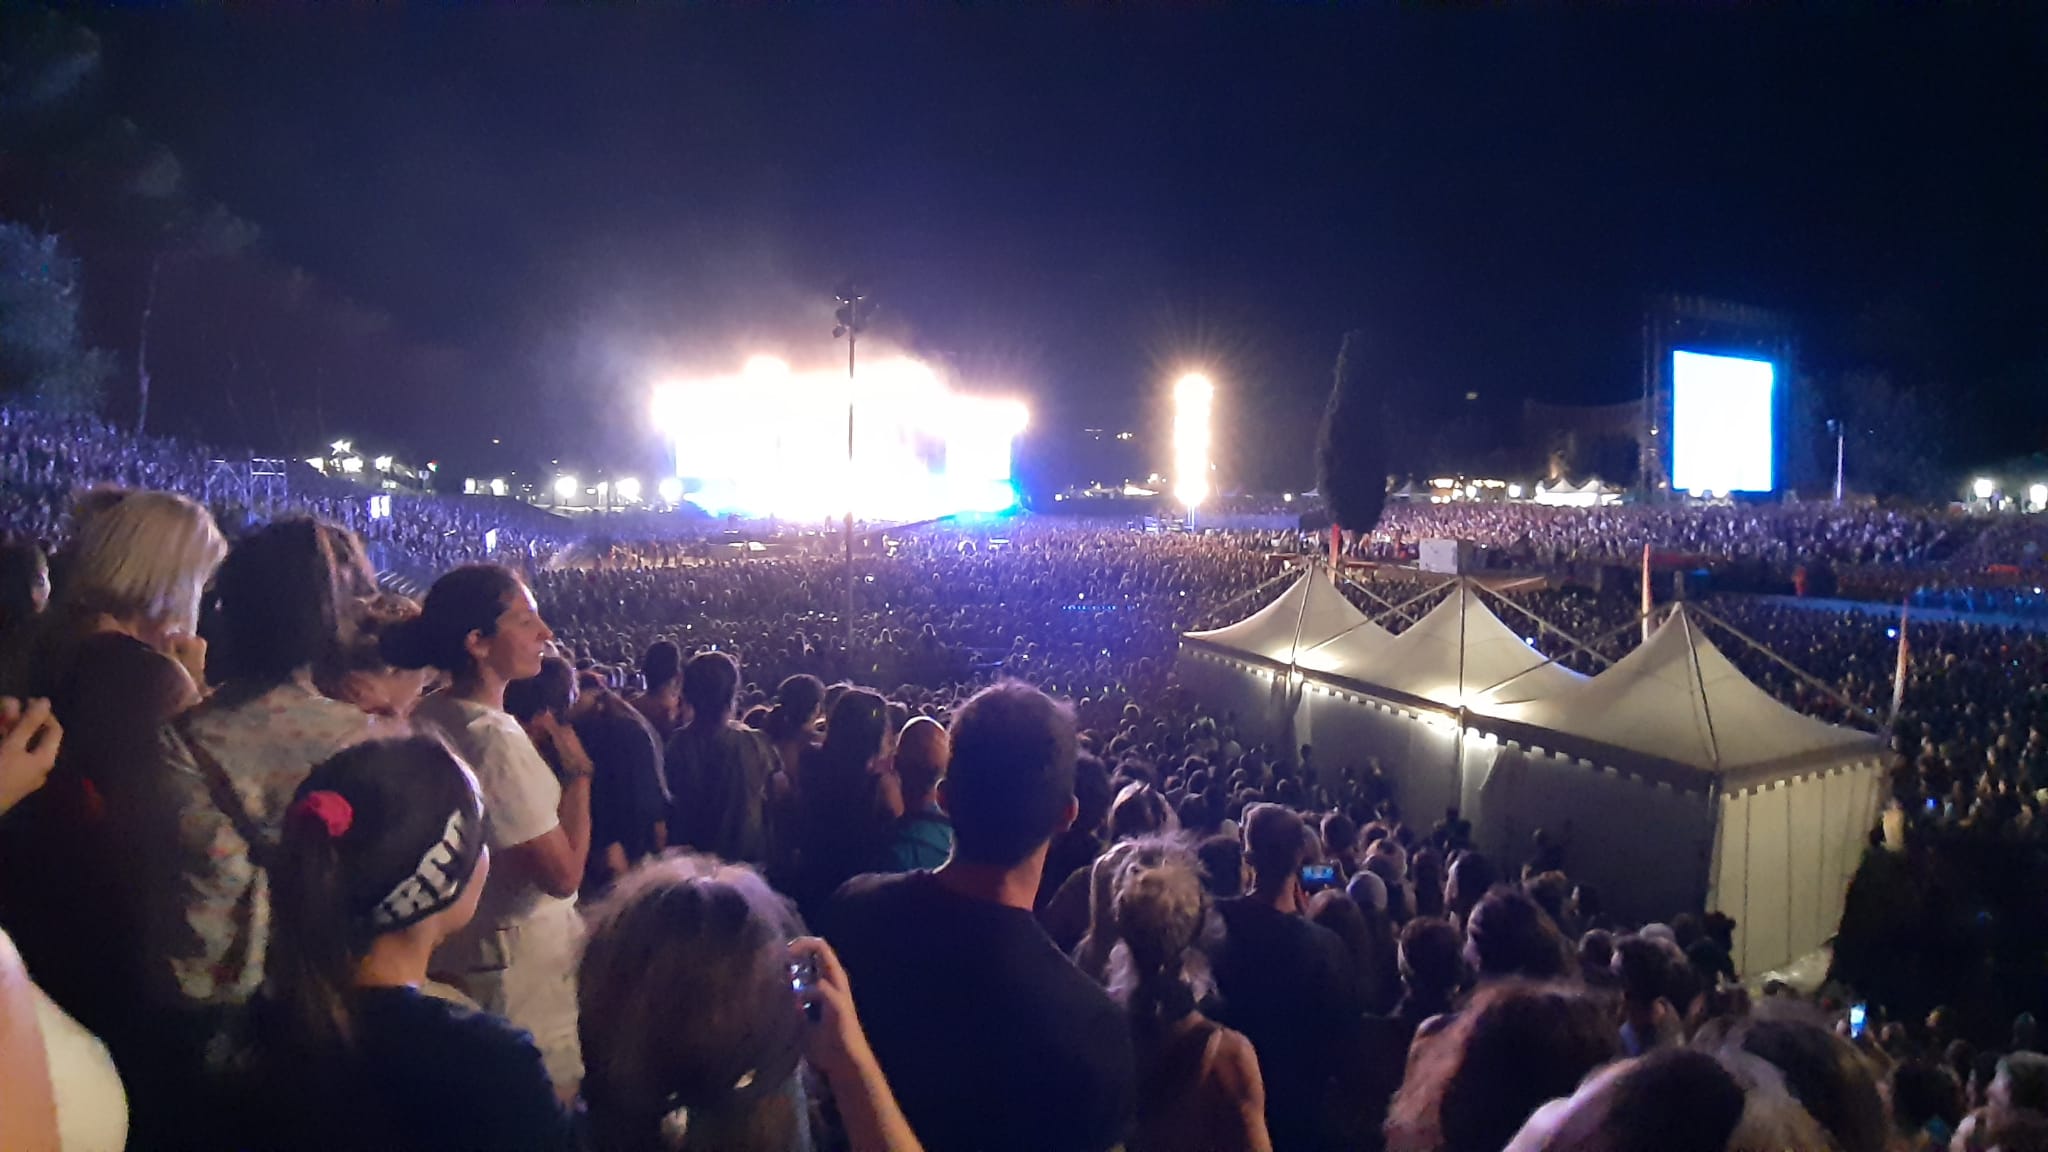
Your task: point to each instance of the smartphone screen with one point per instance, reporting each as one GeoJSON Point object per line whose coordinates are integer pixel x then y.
{"type": "Point", "coordinates": [1316, 877]}
{"type": "Point", "coordinates": [1858, 1017]}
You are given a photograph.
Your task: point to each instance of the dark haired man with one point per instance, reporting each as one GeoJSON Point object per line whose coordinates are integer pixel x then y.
{"type": "Point", "coordinates": [662, 702]}
{"type": "Point", "coordinates": [1284, 980]}
{"type": "Point", "coordinates": [990, 1037]}
{"type": "Point", "coordinates": [717, 770]}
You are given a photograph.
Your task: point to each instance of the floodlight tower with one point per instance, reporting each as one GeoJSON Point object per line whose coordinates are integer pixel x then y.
{"type": "Point", "coordinates": [852, 317]}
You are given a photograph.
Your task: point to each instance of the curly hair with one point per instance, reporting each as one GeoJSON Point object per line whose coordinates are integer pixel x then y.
{"type": "Point", "coordinates": [1516, 1046]}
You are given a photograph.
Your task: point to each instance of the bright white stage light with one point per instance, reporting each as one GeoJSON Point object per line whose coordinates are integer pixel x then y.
{"type": "Point", "coordinates": [499, 487]}
{"type": "Point", "coordinates": [628, 489]}
{"type": "Point", "coordinates": [2037, 496]}
{"type": "Point", "coordinates": [1983, 487]}
{"type": "Point", "coordinates": [671, 490]}
{"type": "Point", "coordinates": [565, 487]}
{"type": "Point", "coordinates": [1192, 396]}
{"type": "Point", "coordinates": [771, 441]}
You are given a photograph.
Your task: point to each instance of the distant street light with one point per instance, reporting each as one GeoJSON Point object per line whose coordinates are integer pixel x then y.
{"type": "Point", "coordinates": [566, 487]}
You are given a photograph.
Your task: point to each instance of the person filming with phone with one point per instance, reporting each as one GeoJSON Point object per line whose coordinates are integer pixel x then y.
{"type": "Point", "coordinates": [1284, 981]}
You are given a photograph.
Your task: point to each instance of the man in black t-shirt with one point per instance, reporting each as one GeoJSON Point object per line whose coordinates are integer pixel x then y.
{"type": "Point", "coordinates": [991, 1038]}
{"type": "Point", "coordinates": [1284, 981]}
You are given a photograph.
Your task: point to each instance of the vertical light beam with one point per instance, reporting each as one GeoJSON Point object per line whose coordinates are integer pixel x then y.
{"type": "Point", "coordinates": [1192, 397]}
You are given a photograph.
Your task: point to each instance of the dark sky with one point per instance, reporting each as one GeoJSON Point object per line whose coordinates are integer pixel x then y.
{"type": "Point", "coordinates": [1072, 205]}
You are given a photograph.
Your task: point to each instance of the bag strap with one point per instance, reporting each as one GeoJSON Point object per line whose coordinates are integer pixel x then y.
{"type": "Point", "coordinates": [222, 790]}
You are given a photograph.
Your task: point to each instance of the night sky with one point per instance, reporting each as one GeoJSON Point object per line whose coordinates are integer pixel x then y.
{"type": "Point", "coordinates": [1074, 205]}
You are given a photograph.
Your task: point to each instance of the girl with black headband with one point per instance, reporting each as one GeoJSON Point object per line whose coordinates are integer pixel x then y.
{"type": "Point", "coordinates": [382, 858]}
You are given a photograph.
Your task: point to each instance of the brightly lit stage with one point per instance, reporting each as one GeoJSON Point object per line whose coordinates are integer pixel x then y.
{"type": "Point", "coordinates": [772, 442]}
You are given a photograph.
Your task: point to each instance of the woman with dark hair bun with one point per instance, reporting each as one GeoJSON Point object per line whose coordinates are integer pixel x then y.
{"type": "Point", "coordinates": [383, 857]}
{"type": "Point", "coordinates": [358, 671]}
{"type": "Point", "coordinates": [518, 957]}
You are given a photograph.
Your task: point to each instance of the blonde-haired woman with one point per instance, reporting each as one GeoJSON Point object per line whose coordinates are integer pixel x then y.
{"type": "Point", "coordinates": [118, 656]}
{"type": "Point", "coordinates": [1198, 1082]}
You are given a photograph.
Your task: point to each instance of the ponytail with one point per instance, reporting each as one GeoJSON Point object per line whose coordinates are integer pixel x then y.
{"type": "Point", "coordinates": [1160, 994]}
{"type": "Point", "coordinates": [312, 949]}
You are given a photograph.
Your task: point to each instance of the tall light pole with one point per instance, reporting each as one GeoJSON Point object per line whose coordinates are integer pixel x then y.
{"type": "Point", "coordinates": [852, 316]}
{"type": "Point", "coordinates": [1841, 442]}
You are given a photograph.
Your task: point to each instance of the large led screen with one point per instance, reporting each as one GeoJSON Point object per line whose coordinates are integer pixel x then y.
{"type": "Point", "coordinates": [1723, 417]}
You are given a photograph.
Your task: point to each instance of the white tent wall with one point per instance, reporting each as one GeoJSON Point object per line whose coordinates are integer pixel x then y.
{"type": "Point", "coordinates": [1775, 855]}
{"type": "Point", "coordinates": [1646, 847]}
{"type": "Point", "coordinates": [1677, 783]}
{"type": "Point", "coordinates": [1419, 757]}
{"type": "Point", "coordinates": [1226, 685]}
{"type": "Point", "coordinates": [1784, 855]}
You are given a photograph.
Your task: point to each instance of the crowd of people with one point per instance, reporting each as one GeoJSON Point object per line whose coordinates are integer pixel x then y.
{"type": "Point", "coordinates": [1783, 535]}
{"type": "Point", "coordinates": [669, 849]}
{"type": "Point", "coordinates": [44, 458]}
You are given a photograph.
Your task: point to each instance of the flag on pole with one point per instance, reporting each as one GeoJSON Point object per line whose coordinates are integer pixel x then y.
{"type": "Point", "coordinates": [1648, 602]}
{"type": "Point", "coordinates": [1905, 662]}
{"type": "Point", "coordinates": [1336, 552]}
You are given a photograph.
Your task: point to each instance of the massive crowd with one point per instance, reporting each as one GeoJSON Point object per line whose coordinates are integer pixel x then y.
{"type": "Point", "coordinates": [665, 852]}
{"type": "Point", "coordinates": [45, 458]}
{"type": "Point", "coordinates": [1785, 535]}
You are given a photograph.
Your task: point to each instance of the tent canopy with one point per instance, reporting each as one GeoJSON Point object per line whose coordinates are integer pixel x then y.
{"type": "Point", "coordinates": [1678, 698]}
{"type": "Point", "coordinates": [1313, 605]}
{"type": "Point", "coordinates": [1454, 655]}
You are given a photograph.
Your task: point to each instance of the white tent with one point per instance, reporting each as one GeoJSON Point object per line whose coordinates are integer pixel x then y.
{"type": "Point", "coordinates": [1676, 697]}
{"type": "Point", "coordinates": [1453, 656]}
{"type": "Point", "coordinates": [1564, 494]}
{"type": "Point", "coordinates": [1785, 801]}
{"type": "Point", "coordinates": [1310, 613]}
{"type": "Point", "coordinates": [1675, 782]}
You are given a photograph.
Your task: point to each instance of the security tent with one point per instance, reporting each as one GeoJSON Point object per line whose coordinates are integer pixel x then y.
{"type": "Point", "coordinates": [1676, 783]}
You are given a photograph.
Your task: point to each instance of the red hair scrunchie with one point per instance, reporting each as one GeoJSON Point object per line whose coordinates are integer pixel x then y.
{"type": "Point", "coordinates": [331, 809]}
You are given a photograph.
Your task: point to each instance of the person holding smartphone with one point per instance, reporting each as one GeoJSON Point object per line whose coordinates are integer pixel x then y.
{"type": "Point", "coordinates": [1285, 982]}
{"type": "Point", "coordinates": [700, 999]}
